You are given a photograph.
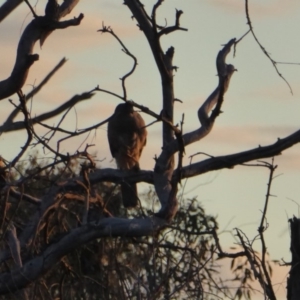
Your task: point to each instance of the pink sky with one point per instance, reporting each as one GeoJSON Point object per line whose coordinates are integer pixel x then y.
{"type": "Point", "coordinates": [258, 107]}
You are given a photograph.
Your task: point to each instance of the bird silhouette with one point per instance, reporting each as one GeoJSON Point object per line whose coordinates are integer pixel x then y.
{"type": "Point", "coordinates": [127, 137]}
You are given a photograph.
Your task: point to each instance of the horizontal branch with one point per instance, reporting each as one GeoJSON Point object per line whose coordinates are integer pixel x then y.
{"type": "Point", "coordinates": [113, 175]}
{"type": "Point", "coordinates": [117, 176]}
{"type": "Point", "coordinates": [70, 103]}
{"type": "Point", "coordinates": [229, 161]}
{"type": "Point", "coordinates": [208, 165]}
{"type": "Point", "coordinates": [110, 227]}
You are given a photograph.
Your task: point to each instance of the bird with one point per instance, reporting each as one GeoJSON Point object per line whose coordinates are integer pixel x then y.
{"type": "Point", "coordinates": [127, 136]}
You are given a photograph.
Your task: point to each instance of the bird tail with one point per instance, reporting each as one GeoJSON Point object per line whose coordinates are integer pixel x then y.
{"type": "Point", "coordinates": [129, 194]}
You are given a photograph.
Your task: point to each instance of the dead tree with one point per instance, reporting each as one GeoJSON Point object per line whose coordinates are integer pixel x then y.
{"type": "Point", "coordinates": [165, 177]}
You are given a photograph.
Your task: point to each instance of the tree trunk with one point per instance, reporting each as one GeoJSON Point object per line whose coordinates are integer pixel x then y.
{"type": "Point", "coordinates": [293, 282]}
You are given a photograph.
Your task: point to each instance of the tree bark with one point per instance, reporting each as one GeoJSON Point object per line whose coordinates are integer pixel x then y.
{"type": "Point", "coordinates": [293, 282]}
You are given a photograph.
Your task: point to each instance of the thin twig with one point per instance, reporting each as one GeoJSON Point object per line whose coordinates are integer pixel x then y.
{"type": "Point", "coordinates": [108, 29]}
{"type": "Point", "coordinates": [262, 47]}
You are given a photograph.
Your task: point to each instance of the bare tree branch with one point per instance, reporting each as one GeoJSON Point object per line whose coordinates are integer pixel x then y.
{"type": "Point", "coordinates": [17, 110]}
{"type": "Point", "coordinates": [14, 245]}
{"type": "Point", "coordinates": [171, 29]}
{"type": "Point", "coordinates": [127, 52]}
{"type": "Point", "coordinates": [70, 103]}
{"type": "Point", "coordinates": [274, 63]}
{"type": "Point", "coordinates": [267, 286]}
{"type": "Point", "coordinates": [229, 161]}
{"type": "Point", "coordinates": [20, 277]}
{"type": "Point", "coordinates": [164, 164]}
{"type": "Point", "coordinates": [52, 219]}
{"type": "Point", "coordinates": [208, 165]}
{"type": "Point", "coordinates": [216, 98]}
{"type": "Point", "coordinates": [17, 195]}
{"type": "Point", "coordinates": [7, 7]}
{"type": "Point", "coordinates": [28, 127]}
{"type": "Point", "coordinates": [32, 33]}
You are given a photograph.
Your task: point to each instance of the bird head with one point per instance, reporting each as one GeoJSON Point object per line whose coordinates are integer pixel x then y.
{"type": "Point", "coordinates": [124, 108]}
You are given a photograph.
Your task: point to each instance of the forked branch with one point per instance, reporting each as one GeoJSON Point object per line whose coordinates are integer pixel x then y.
{"type": "Point", "coordinates": [37, 29]}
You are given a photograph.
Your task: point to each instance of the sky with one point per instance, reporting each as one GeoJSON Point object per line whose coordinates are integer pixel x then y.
{"type": "Point", "coordinates": [258, 106]}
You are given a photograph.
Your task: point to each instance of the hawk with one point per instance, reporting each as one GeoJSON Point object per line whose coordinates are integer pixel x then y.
{"type": "Point", "coordinates": [127, 137]}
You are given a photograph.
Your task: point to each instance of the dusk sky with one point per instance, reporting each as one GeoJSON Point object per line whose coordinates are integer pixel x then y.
{"type": "Point", "coordinates": [258, 107]}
